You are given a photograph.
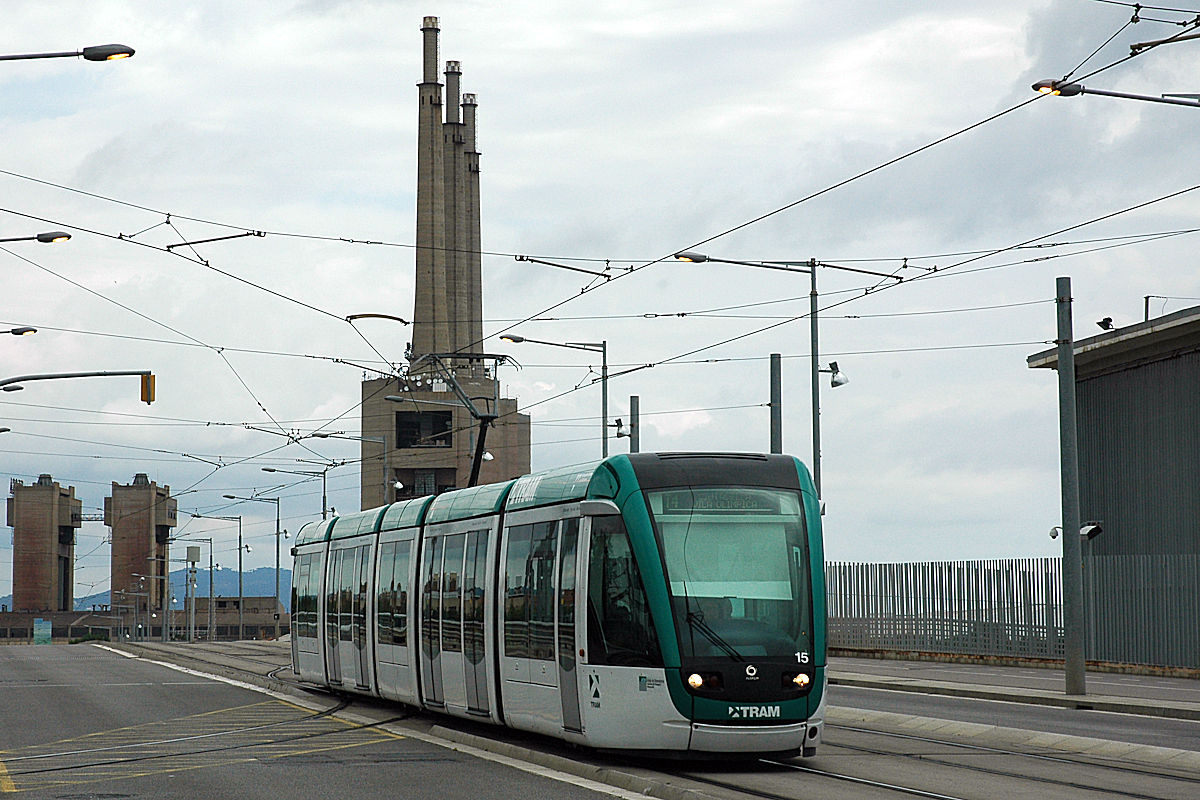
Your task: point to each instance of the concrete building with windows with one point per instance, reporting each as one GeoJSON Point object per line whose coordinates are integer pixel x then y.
{"type": "Point", "coordinates": [427, 442]}
{"type": "Point", "coordinates": [44, 517]}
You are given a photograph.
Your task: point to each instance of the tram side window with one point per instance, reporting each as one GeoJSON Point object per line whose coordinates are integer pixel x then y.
{"type": "Point", "coordinates": [516, 593]}
{"type": "Point", "coordinates": [451, 594]}
{"type": "Point", "coordinates": [620, 630]}
{"type": "Point", "coordinates": [540, 582]}
{"type": "Point", "coordinates": [393, 593]}
{"type": "Point", "coordinates": [385, 598]}
{"type": "Point", "coordinates": [345, 593]}
{"type": "Point", "coordinates": [304, 595]}
{"type": "Point", "coordinates": [362, 563]}
{"type": "Point", "coordinates": [331, 596]}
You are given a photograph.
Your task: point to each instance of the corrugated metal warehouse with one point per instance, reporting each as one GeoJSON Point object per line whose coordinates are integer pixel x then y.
{"type": "Point", "coordinates": [1138, 419]}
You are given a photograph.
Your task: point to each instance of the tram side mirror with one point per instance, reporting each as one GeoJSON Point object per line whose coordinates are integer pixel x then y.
{"type": "Point", "coordinates": [598, 508]}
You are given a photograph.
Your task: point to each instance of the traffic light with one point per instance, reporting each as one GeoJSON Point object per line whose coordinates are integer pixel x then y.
{"type": "Point", "coordinates": [148, 388]}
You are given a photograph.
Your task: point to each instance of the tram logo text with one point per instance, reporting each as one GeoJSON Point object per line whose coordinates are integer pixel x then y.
{"type": "Point", "coordinates": [754, 712]}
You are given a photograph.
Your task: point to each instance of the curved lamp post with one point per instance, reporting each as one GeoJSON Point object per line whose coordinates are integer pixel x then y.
{"type": "Point", "coordinates": [274, 500]}
{"type": "Point", "coordinates": [322, 475]}
{"type": "Point", "coordinates": [100, 52]}
{"type": "Point", "coordinates": [45, 238]}
{"type": "Point", "coordinates": [595, 347]}
{"type": "Point", "coordinates": [1067, 89]}
{"type": "Point", "coordinates": [836, 378]}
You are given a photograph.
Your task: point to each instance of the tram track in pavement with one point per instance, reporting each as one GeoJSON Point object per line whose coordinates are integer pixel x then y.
{"type": "Point", "coordinates": [1001, 751]}
{"type": "Point", "coordinates": [1099, 778]}
{"type": "Point", "coordinates": [1188, 783]}
{"type": "Point", "coordinates": [76, 759]}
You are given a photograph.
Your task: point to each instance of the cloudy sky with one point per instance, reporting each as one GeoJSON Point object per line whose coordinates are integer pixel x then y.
{"type": "Point", "coordinates": [612, 135]}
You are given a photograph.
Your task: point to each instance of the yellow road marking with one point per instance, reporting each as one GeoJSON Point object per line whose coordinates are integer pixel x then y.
{"type": "Point", "coordinates": [6, 784]}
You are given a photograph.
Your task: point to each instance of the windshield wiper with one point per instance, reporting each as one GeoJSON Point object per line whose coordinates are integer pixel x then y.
{"type": "Point", "coordinates": [696, 620]}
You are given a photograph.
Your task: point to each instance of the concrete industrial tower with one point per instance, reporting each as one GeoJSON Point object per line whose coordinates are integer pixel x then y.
{"type": "Point", "coordinates": [141, 516]}
{"type": "Point", "coordinates": [44, 518]}
{"type": "Point", "coordinates": [427, 442]}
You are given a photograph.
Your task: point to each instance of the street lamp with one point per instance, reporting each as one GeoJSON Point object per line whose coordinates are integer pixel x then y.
{"type": "Point", "coordinates": [595, 347]}
{"type": "Point", "coordinates": [24, 330]}
{"type": "Point", "coordinates": [50, 237]}
{"type": "Point", "coordinates": [382, 440]}
{"type": "Point", "coordinates": [241, 548]}
{"type": "Point", "coordinates": [100, 52]}
{"type": "Point", "coordinates": [322, 475]}
{"type": "Point", "coordinates": [275, 500]}
{"type": "Point", "coordinates": [1066, 89]}
{"type": "Point", "coordinates": [838, 379]}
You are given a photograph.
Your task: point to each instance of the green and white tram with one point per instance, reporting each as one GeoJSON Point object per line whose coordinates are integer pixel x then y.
{"type": "Point", "coordinates": [668, 602]}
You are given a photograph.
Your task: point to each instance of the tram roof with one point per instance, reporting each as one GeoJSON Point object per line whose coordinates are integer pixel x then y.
{"type": "Point", "coordinates": [562, 485]}
{"type": "Point", "coordinates": [315, 531]}
{"type": "Point", "coordinates": [357, 523]}
{"type": "Point", "coordinates": [405, 514]}
{"type": "Point", "coordinates": [476, 501]}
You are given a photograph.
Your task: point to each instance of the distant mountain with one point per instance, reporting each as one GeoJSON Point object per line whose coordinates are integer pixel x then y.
{"type": "Point", "coordinates": [255, 583]}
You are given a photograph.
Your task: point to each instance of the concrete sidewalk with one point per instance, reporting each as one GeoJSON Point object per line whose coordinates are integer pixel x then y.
{"type": "Point", "coordinates": [1177, 698]}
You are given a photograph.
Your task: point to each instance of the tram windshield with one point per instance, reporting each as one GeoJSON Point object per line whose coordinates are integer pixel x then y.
{"type": "Point", "coordinates": [737, 569]}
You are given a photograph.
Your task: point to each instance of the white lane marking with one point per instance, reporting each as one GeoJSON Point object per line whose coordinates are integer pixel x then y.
{"type": "Point", "coordinates": [114, 650]}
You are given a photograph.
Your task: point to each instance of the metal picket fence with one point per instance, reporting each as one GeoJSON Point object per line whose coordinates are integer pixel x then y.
{"type": "Point", "coordinates": [1139, 609]}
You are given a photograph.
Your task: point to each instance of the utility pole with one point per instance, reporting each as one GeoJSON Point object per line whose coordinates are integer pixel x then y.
{"type": "Point", "coordinates": [635, 424]}
{"type": "Point", "coordinates": [776, 403]}
{"type": "Point", "coordinates": [1072, 566]}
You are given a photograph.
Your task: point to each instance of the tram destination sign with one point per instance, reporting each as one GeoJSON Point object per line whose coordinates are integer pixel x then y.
{"type": "Point", "coordinates": [688, 501]}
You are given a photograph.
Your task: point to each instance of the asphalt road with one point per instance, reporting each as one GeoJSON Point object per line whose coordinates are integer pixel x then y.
{"type": "Point", "coordinates": [82, 722]}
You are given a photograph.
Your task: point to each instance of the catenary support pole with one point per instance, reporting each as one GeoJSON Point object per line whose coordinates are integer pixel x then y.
{"type": "Point", "coordinates": [776, 403]}
{"type": "Point", "coordinates": [635, 427]}
{"type": "Point", "coordinates": [1072, 566]}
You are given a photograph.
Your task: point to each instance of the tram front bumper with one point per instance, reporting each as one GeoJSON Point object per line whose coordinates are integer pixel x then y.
{"type": "Point", "coordinates": [748, 738]}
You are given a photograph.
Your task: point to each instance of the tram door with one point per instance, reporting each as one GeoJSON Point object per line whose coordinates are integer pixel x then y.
{"type": "Point", "coordinates": [568, 678]}
{"type": "Point", "coordinates": [453, 597]}
{"type": "Point", "coordinates": [348, 659]}
{"type": "Point", "coordinates": [538, 663]}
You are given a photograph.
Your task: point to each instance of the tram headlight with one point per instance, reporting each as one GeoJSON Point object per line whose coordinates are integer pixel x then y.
{"type": "Point", "coordinates": [796, 680]}
{"type": "Point", "coordinates": [707, 681]}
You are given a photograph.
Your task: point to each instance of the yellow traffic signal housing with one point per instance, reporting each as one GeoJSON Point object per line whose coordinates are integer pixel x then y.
{"type": "Point", "coordinates": [148, 388]}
